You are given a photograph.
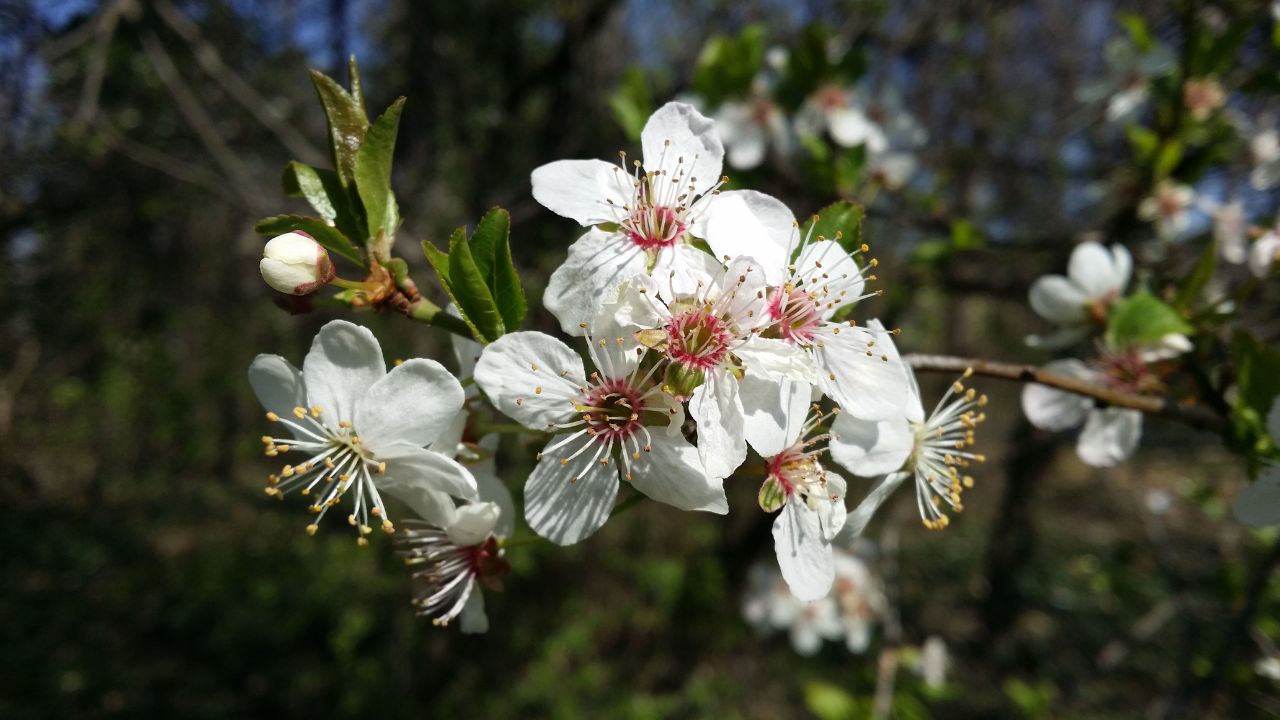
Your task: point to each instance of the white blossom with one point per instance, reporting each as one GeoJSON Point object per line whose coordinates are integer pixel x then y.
{"type": "Point", "coordinates": [1169, 207]}
{"type": "Point", "coordinates": [769, 606]}
{"type": "Point", "coordinates": [1096, 277]}
{"type": "Point", "coordinates": [1126, 89]}
{"type": "Point", "coordinates": [640, 217]}
{"type": "Point", "coordinates": [751, 126]}
{"type": "Point", "coordinates": [450, 561]}
{"type": "Point", "coordinates": [837, 111]}
{"type": "Point", "coordinates": [363, 428]}
{"type": "Point", "coordinates": [616, 421]}
{"type": "Point", "coordinates": [295, 264]}
{"type": "Point", "coordinates": [1265, 251]}
{"type": "Point", "coordinates": [1264, 154]}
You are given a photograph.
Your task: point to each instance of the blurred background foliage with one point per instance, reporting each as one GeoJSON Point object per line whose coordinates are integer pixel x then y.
{"type": "Point", "coordinates": [144, 574]}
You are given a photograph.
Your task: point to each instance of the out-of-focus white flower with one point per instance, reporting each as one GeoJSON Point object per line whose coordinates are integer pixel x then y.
{"type": "Point", "coordinates": [1258, 505]}
{"type": "Point", "coordinates": [363, 427]}
{"type": "Point", "coordinates": [1268, 667]}
{"type": "Point", "coordinates": [296, 264]}
{"type": "Point", "coordinates": [450, 561]}
{"type": "Point", "coordinates": [812, 503]}
{"type": "Point", "coordinates": [860, 598]}
{"type": "Point", "coordinates": [893, 166]}
{"type": "Point", "coordinates": [836, 110]}
{"type": "Point", "coordinates": [1126, 88]}
{"type": "Point", "coordinates": [618, 420]}
{"type": "Point", "coordinates": [1230, 230]}
{"type": "Point", "coordinates": [750, 127]}
{"type": "Point", "coordinates": [769, 606]}
{"type": "Point", "coordinates": [1096, 277]}
{"type": "Point", "coordinates": [1264, 152]}
{"type": "Point", "coordinates": [1202, 97]}
{"type": "Point", "coordinates": [855, 366]}
{"type": "Point", "coordinates": [934, 662]}
{"type": "Point", "coordinates": [933, 450]}
{"type": "Point", "coordinates": [643, 216]}
{"type": "Point", "coordinates": [1169, 208]}
{"type": "Point", "coordinates": [1110, 434]}
{"type": "Point", "coordinates": [704, 322]}
{"type": "Point", "coordinates": [1265, 252]}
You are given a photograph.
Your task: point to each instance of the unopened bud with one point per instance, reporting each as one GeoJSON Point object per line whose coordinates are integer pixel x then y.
{"type": "Point", "coordinates": [296, 264]}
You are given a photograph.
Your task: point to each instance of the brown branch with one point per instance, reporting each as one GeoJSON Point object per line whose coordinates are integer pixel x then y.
{"type": "Point", "coordinates": [1195, 415]}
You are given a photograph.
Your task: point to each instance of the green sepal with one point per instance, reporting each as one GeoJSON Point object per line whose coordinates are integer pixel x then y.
{"type": "Point", "coordinates": [373, 180]}
{"type": "Point", "coordinates": [681, 381]}
{"type": "Point", "coordinates": [328, 236]}
{"type": "Point", "coordinates": [772, 495]}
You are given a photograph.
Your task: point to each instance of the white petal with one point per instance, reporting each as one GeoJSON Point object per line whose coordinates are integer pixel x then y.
{"type": "Point", "coordinates": [344, 362]}
{"type": "Point", "coordinates": [805, 639]}
{"type": "Point", "coordinates": [1092, 269]}
{"type": "Point", "coordinates": [566, 502]}
{"type": "Point", "coordinates": [1121, 268]}
{"type": "Point", "coordinates": [597, 262]}
{"type": "Point", "coordinates": [1058, 300]}
{"type": "Point", "coordinates": [473, 619]}
{"type": "Point", "coordinates": [465, 350]}
{"type": "Point", "coordinates": [672, 473]}
{"type": "Point", "coordinates": [409, 467]}
{"type": "Point", "coordinates": [675, 132]}
{"type": "Point", "coordinates": [1263, 254]}
{"type": "Point", "coordinates": [850, 127]}
{"type": "Point", "coordinates": [473, 524]}
{"type": "Point", "coordinates": [434, 506]}
{"type": "Point", "coordinates": [717, 409]}
{"type": "Point", "coordinates": [803, 555]}
{"type": "Point", "coordinates": [491, 489]}
{"type": "Point", "coordinates": [1051, 409]}
{"type": "Point", "coordinates": [829, 274]}
{"type": "Point", "coordinates": [773, 410]}
{"type": "Point", "coordinates": [1258, 505]}
{"type": "Point", "coordinates": [278, 384]}
{"type": "Point", "coordinates": [682, 270]}
{"type": "Point", "coordinates": [581, 189]}
{"type": "Point", "coordinates": [413, 404]}
{"type": "Point", "coordinates": [521, 373]}
{"type": "Point", "coordinates": [775, 358]}
{"type": "Point", "coordinates": [748, 150]}
{"type": "Point", "coordinates": [867, 380]}
{"type": "Point", "coordinates": [869, 448]}
{"type": "Point", "coordinates": [745, 223]}
{"type": "Point", "coordinates": [635, 307]}
{"type": "Point", "coordinates": [858, 520]}
{"type": "Point", "coordinates": [448, 441]}
{"type": "Point", "coordinates": [1109, 436]}
{"type": "Point", "coordinates": [832, 510]}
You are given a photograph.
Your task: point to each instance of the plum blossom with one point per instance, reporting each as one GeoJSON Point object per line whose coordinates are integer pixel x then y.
{"type": "Point", "coordinates": [706, 329]}
{"type": "Point", "coordinates": [933, 450]}
{"type": "Point", "coordinates": [641, 218]}
{"type": "Point", "coordinates": [859, 597]}
{"type": "Point", "coordinates": [618, 420]}
{"type": "Point", "coordinates": [450, 561]}
{"type": "Point", "coordinates": [750, 127]}
{"type": "Point", "coordinates": [363, 428]}
{"type": "Point", "coordinates": [1258, 505]}
{"type": "Point", "coordinates": [294, 263]}
{"type": "Point", "coordinates": [769, 606]}
{"type": "Point", "coordinates": [1202, 97]}
{"type": "Point", "coordinates": [836, 110]}
{"type": "Point", "coordinates": [1230, 230]}
{"type": "Point", "coordinates": [1169, 207]}
{"type": "Point", "coordinates": [1265, 251]}
{"type": "Point", "coordinates": [854, 366]}
{"type": "Point", "coordinates": [1127, 87]}
{"type": "Point", "coordinates": [1096, 277]}
{"type": "Point", "coordinates": [1264, 153]}
{"type": "Point", "coordinates": [811, 499]}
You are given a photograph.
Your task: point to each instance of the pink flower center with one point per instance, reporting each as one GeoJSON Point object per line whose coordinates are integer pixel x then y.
{"type": "Point", "coordinates": [486, 563]}
{"type": "Point", "coordinates": [612, 408]}
{"type": "Point", "coordinates": [697, 339]}
{"type": "Point", "coordinates": [653, 227]}
{"type": "Point", "coordinates": [794, 469]}
{"type": "Point", "coordinates": [795, 312]}
{"type": "Point", "coordinates": [1127, 372]}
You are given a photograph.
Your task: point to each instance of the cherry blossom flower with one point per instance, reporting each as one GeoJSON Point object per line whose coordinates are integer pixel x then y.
{"type": "Point", "coordinates": [1110, 433]}
{"type": "Point", "coordinates": [933, 450]}
{"type": "Point", "coordinates": [1169, 208]}
{"type": "Point", "coordinates": [859, 597]}
{"type": "Point", "coordinates": [450, 561]}
{"type": "Point", "coordinates": [749, 127]}
{"type": "Point", "coordinates": [705, 324]}
{"type": "Point", "coordinates": [1127, 87]}
{"type": "Point", "coordinates": [1265, 252]}
{"type": "Point", "coordinates": [855, 366]}
{"type": "Point", "coordinates": [618, 420]}
{"type": "Point", "coordinates": [295, 264]}
{"type": "Point", "coordinates": [1230, 230]}
{"type": "Point", "coordinates": [1202, 97]}
{"type": "Point", "coordinates": [640, 218]}
{"type": "Point", "coordinates": [1078, 302]}
{"type": "Point", "coordinates": [363, 428]}
{"type": "Point", "coordinates": [811, 499]}
{"type": "Point", "coordinates": [769, 606]}
{"type": "Point", "coordinates": [1258, 505]}
{"type": "Point", "coordinates": [836, 110]}
{"type": "Point", "coordinates": [1264, 153]}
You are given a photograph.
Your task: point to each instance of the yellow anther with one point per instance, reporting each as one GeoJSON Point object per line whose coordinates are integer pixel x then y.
{"type": "Point", "coordinates": [316, 410]}
{"type": "Point", "coordinates": [273, 417]}
{"type": "Point", "coordinates": [382, 468]}
{"type": "Point", "coordinates": [299, 412]}
{"type": "Point", "coordinates": [388, 527]}
{"type": "Point", "coordinates": [344, 423]}
{"type": "Point", "coordinates": [362, 541]}
{"type": "Point", "coordinates": [287, 471]}
{"type": "Point", "coordinates": [365, 530]}
{"type": "Point", "coordinates": [399, 362]}
{"type": "Point", "coordinates": [312, 528]}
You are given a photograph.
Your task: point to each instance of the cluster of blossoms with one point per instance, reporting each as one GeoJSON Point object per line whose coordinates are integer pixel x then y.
{"type": "Point", "coordinates": [713, 326]}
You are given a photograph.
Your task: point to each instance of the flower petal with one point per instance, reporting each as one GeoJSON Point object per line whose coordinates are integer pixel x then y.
{"type": "Point", "coordinates": [1058, 300]}
{"type": "Point", "coordinates": [473, 619]}
{"type": "Point", "coordinates": [580, 190]}
{"type": "Point", "coordinates": [745, 223]}
{"type": "Point", "coordinates": [829, 275]}
{"type": "Point", "coordinates": [773, 411]}
{"type": "Point", "coordinates": [597, 262]}
{"type": "Point", "coordinates": [409, 466]}
{"type": "Point", "coordinates": [531, 377]}
{"type": "Point", "coordinates": [493, 490]}
{"type": "Point", "coordinates": [473, 524]}
{"type": "Point", "coordinates": [1051, 409]}
{"type": "Point", "coordinates": [344, 362]}
{"type": "Point", "coordinates": [1093, 270]}
{"type": "Point", "coordinates": [672, 473]}
{"type": "Point", "coordinates": [682, 143]}
{"type": "Point", "coordinates": [413, 404]}
{"type": "Point", "coordinates": [859, 369]}
{"type": "Point", "coordinates": [868, 448]}
{"type": "Point", "coordinates": [803, 555]}
{"type": "Point", "coordinates": [277, 383]}
{"type": "Point", "coordinates": [568, 499]}
{"type": "Point", "coordinates": [1258, 505]}
{"type": "Point", "coordinates": [715, 406]}
{"type": "Point", "coordinates": [858, 520]}
{"type": "Point", "coordinates": [1109, 436]}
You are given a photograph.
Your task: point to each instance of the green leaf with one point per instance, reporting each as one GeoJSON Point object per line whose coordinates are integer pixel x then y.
{"type": "Point", "coordinates": [373, 179]}
{"type": "Point", "coordinates": [964, 236]}
{"type": "Point", "coordinates": [840, 221]}
{"type": "Point", "coordinates": [829, 702]}
{"type": "Point", "coordinates": [1167, 159]}
{"type": "Point", "coordinates": [491, 248]}
{"type": "Point", "coordinates": [1142, 318]}
{"type": "Point", "coordinates": [1143, 142]}
{"type": "Point", "coordinates": [347, 124]}
{"type": "Point", "coordinates": [1199, 277]}
{"type": "Point", "coordinates": [1257, 380]}
{"type": "Point", "coordinates": [330, 237]}
{"type": "Point", "coordinates": [727, 65]}
{"type": "Point", "coordinates": [632, 103]}
{"type": "Point", "coordinates": [324, 191]}
{"type": "Point", "coordinates": [1136, 26]}
{"type": "Point", "coordinates": [357, 89]}
{"type": "Point", "coordinates": [470, 291]}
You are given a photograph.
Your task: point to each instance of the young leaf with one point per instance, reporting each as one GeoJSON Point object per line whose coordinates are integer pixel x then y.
{"type": "Point", "coordinates": [330, 237]}
{"type": "Point", "coordinates": [1142, 318]}
{"type": "Point", "coordinates": [839, 221]}
{"type": "Point", "coordinates": [373, 178]}
{"type": "Point", "coordinates": [347, 124]}
{"type": "Point", "coordinates": [491, 249]}
{"type": "Point", "coordinates": [325, 193]}
{"type": "Point", "coordinates": [1199, 277]}
{"type": "Point", "coordinates": [470, 291]}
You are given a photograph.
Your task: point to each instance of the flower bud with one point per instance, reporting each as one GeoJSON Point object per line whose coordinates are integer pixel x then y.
{"type": "Point", "coordinates": [296, 264]}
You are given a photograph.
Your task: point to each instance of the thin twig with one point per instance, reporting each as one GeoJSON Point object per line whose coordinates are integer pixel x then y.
{"type": "Point", "coordinates": [1194, 415]}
